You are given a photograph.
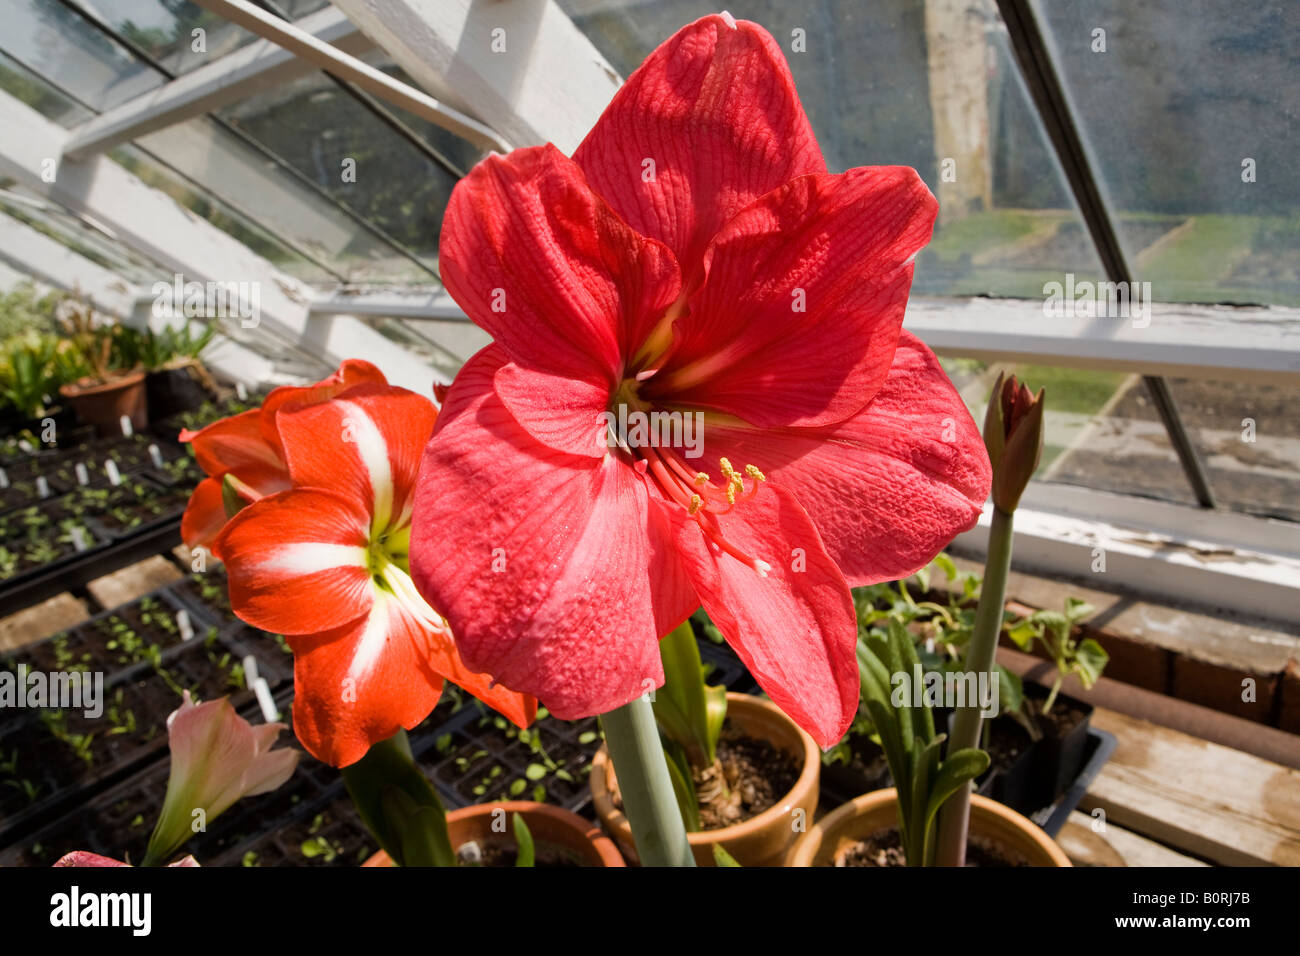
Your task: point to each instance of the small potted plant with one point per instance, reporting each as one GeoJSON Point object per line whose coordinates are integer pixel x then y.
{"type": "Point", "coordinates": [175, 378]}
{"type": "Point", "coordinates": [897, 826]}
{"type": "Point", "coordinates": [936, 817]}
{"type": "Point", "coordinates": [745, 775]}
{"type": "Point", "coordinates": [402, 811]}
{"type": "Point", "coordinates": [102, 380]}
{"type": "Point", "coordinates": [1059, 722]}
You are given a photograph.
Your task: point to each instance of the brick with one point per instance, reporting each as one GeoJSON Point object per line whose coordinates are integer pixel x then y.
{"type": "Point", "coordinates": [129, 583]}
{"type": "Point", "coordinates": [1289, 693]}
{"type": "Point", "coordinates": [41, 620]}
{"type": "Point", "coordinates": [1211, 685]}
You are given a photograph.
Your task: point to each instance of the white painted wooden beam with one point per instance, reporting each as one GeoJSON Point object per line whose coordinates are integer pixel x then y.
{"type": "Point", "coordinates": [357, 72]}
{"type": "Point", "coordinates": [521, 66]}
{"type": "Point", "coordinates": [150, 222]}
{"type": "Point", "coordinates": [1256, 344]}
{"type": "Point", "coordinates": [1217, 561]}
{"type": "Point", "coordinates": [260, 65]}
{"type": "Point", "coordinates": [35, 254]}
{"type": "Point", "coordinates": [398, 302]}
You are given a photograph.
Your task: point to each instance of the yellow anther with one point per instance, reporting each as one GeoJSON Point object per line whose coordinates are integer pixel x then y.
{"type": "Point", "coordinates": [701, 478]}
{"type": "Point", "coordinates": [731, 494]}
{"type": "Point", "coordinates": [753, 472]}
{"type": "Point", "coordinates": [726, 467]}
{"type": "Point", "coordinates": [696, 502]}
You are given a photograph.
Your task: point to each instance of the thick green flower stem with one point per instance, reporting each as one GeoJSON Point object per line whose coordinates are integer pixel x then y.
{"type": "Point", "coordinates": [648, 797]}
{"type": "Point", "coordinates": [399, 806]}
{"type": "Point", "coordinates": [954, 818]}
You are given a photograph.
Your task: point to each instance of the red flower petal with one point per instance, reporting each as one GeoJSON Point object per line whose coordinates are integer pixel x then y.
{"type": "Point", "coordinates": [890, 487]}
{"type": "Point", "coordinates": [350, 373]}
{"type": "Point", "coordinates": [357, 684]}
{"type": "Point", "coordinates": [365, 444]}
{"type": "Point", "coordinates": [564, 413]}
{"type": "Point", "coordinates": [205, 515]}
{"type": "Point", "coordinates": [794, 627]}
{"type": "Point", "coordinates": [444, 656]}
{"type": "Point", "coordinates": [553, 573]}
{"type": "Point", "coordinates": [800, 311]}
{"type": "Point", "coordinates": [542, 264]}
{"type": "Point", "coordinates": [232, 444]}
{"type": "Point", "coordinates": [715, 109]}
{"type": "Point", "coordinates": [297, 561]}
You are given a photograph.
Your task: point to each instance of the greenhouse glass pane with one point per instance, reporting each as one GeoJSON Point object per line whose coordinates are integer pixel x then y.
{"type": "Point", "coordinates": [272, 196]}
{"type": "Point", "coordinates": [460, 153]}
{"type": "Point", "coordinates": [1102, 430]}
{"type": "Point", "coordinates": [333, 140]}
{"type": "Point", "coordinates": [1248, 435]}
{"type": "Point", "coordinates": [30, 88]}
{"type": "Point", "coordinates": [1197, 161]}
{"type": "Point", "coordinates": [165, 29]}
{"type": "Point", "coordinates": [224, 217]}
{"type": "Point", "coordinates": [57, 43]}
{"type": "Point", "coordinates": [52, 220]}
{"type": "Point", "coordinates": [931, 85]}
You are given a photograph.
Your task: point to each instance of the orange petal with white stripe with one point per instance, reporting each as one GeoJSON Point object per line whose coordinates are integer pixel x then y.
{"type": "Point", "coordinates": [298, 561]}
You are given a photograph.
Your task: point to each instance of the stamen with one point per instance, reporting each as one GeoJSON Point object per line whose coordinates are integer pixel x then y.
{"type": "Point", "coordinates": [702, 499]}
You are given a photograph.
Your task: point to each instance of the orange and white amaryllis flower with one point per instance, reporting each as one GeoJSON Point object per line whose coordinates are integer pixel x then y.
{"type": "Point", "coordinates": [247, 447]}
{"type": "Point", "coordinates": [326, 563]}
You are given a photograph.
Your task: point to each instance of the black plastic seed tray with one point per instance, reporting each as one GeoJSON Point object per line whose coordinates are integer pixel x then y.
{"type": "Point", "coordinates": [51, 759]}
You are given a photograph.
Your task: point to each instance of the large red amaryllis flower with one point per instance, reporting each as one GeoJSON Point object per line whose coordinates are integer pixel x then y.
{"type": "Point", "coordinates": [247, 446]}
{"type": "Point", "coordinates": [693, 256]}
{"type": "Point", "coordinates": [325, 562]}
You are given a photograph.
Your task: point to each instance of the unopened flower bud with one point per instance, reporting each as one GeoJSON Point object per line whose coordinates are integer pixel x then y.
{"type": "Point", "coordinates": [1013, 434]}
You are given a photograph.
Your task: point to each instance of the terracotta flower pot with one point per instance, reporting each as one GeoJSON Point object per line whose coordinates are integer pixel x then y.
{"type": "Point", "coordinates": [104, 404]}
{"type": "Point", "coordinates": [877, 811]}
{"type": "Point", "coordinates": [550, 826]}
{"type": "Point", "coordinates": [759, 841]}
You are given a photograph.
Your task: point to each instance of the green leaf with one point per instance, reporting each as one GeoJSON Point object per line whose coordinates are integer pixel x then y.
{"type": "Point", "coordinates": [1089, 660]}
{"type": "Point", "coordinates": [1011, 690]}
{"type": "Point", "coordinates": [897, 753]}
{"type": "Point", "coordinates": [872, 671]}
{"type": "Point", "coordinates": [679, 772]}
{"type": "Point", "coordinates": [523, 836]}
{"type": "Point", "coordinates": [923, 579]}
{"type": "Point", "coordinates": [926, 762]}
{"type": "Point", "coordinates": [686, 709]}
{"type": "Point", "coordinates": [960, 767]}
{"type": "Point", "coordinates": [1077, 609]}
{"type": "Point", "coordinates": [922, 719]}
{"type": "Point", "coordinates": [399, 806]}
{"type": "Point", "coordinates": [894, 661]}
{"type": "Point", "coordinates": [946, 565]}
{"type": "Point", "coordinates": [1022, 633]}
{"type": "Point", "coordinates": [722, 858]}
{"type": "Point", "coordinates": [1054, 621]}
